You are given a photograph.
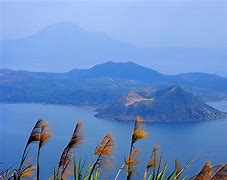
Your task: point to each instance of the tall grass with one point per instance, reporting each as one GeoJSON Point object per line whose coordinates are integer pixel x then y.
{"type": "Point", "coordinates": [72, 167]}
{"type": "Point", "coordinates": [67, 153]}
{"type": "Point", "coordinates": [45, 135]}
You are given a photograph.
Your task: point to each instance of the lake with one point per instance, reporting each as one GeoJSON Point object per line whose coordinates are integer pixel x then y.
{"type": "Point", "coordinates": [176, 140]}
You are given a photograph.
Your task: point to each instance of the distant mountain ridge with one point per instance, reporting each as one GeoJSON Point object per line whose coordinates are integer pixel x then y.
{"type": "Point", "coordinates": [121, 75]}
{"type": "Point", "coordinates": [107, 86]}
{"type": "Point", "coordinates": [129, 71]}
{"type": "Point", "coordinates": [202, 80]}
{"type": "Point", "coordinates": [132, 71]}
{"type": "Point", "coordinates": [68, 45]}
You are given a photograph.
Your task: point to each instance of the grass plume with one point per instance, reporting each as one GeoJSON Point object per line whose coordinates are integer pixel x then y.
{"type": "Point", "coordinates": [205, 173]}
{"type": "Point", "coordinates": [131, 162]}
{"type": "Point", "coordinates": [45, 135]}
{"type": "Point", "coordinates": [33, 138]}
{"type": "Point", "coordinates": [104, 149]}
{"type": "Point", "coordinates": [153, 161]}
{"type": "Point", "coordinates": [67, 153]}
{"type": "Point", "coordinates": [27, 172]}
{"type": "Point", "coordinates": [220, 172]}
{"type": "Point", "coordinates": [138, 133]}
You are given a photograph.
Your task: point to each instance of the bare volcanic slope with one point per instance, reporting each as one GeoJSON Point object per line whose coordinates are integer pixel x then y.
{"type": "Point", "coordinates": [172, 104]}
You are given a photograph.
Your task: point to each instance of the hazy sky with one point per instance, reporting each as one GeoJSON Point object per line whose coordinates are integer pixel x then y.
{"type": "Point", "coordinates": [152, 23]}
{"type": "Point", "coordinates": [193, 23]}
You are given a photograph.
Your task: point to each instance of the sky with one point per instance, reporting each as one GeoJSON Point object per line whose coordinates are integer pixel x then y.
{"type": "Point", "coordinates": [143, 23]}
{"type": "Point", "coordinates": [166, 23]}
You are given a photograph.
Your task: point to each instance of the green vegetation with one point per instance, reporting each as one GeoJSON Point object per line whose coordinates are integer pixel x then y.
{"type": "Point", "coordinates": [70, 167]}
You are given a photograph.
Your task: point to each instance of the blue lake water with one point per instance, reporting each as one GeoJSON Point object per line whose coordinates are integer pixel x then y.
{"type": "Point", "coordinates": [176, 140]}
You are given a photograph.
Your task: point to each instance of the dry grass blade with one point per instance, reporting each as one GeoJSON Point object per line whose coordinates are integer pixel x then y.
{"type": "Point", "coordinates": [178, 169]}
{"type": "Point", "coordinates": [153, 158]}
{"type": "Point", "coordinates": [104, 149]}
{"type": "Point", "coordinates": [131, 162]}
{"type": "Point", "coordinates": [154, 161]}
{"type": "Point", "coordinates": [68, 171]}
{"type": "Point", "coordinates": [33, 138]}
{"type": "Point", "coordinates": [27, 172]}
{"type": "Point", "coordinates": [220, 173]}
{"type": "Point", "coordinates": [66, 156]}
{"type": "Point", "coordinates": [106, 146]}
{"type": "Point", "coordinates": [187, 165]}
{"type": "Point", "coordinates": [35, 134]}
{"type": "Point", "coordinates": [28, 161]}
{"type": "Point", "coordinates": [77, 136]}
{"type": "Point", "coordinates": [6, 174]}
{"type": "Point", "coordinates": [45, 133]}
{"type": "Point", "coordinates": [138, 132]}
{"type": "Point", "coordinates": [205, 173]}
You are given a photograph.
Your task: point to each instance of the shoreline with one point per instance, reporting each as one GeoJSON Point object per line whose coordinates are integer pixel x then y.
{"type": "Point", "coordinates": [93, 109]}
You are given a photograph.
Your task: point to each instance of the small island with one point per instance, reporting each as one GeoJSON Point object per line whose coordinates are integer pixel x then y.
{"type": "Point", "coordinates": [171, 104]}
